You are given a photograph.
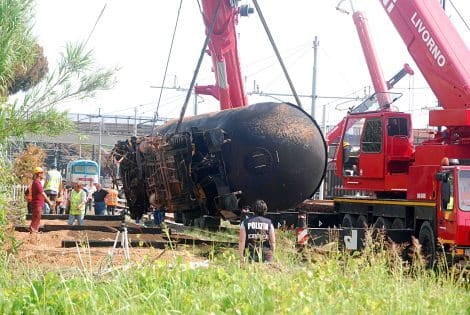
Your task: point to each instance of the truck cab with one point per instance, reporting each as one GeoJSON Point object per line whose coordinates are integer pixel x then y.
{"type": "Point", "coordinates": [453, 208]}
{"type": "Point", "coordinates": [377, 149]}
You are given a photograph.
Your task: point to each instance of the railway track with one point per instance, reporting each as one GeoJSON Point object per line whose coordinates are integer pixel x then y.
{"type": "Point", "coordinates": [101, 232]}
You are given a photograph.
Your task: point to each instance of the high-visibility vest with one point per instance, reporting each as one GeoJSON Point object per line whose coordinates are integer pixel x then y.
{"type": "Point", "coordinates": [75, 199]}
{"type": "Point", "coordinates": [53, 180]}
{"type": "Point", "coordinates": [112, 197]}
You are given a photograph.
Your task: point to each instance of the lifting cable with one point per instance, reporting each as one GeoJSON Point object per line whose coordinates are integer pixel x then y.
{"type": "Point", "coordinates": [460, 15]}
{"type": "Point", "coordinates": [198, 66]}
{"type": "Point", "coordinates": [96, 23]}
{"type": "Point", "coordinates": [273, 44]}
{"type": "Point", "coordinates": [155, 116]}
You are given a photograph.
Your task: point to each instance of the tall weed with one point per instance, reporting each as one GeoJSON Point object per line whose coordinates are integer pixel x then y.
{"type": "Point", "coordinates": [324, 281]}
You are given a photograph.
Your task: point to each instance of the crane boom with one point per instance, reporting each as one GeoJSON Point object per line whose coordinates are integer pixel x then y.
{"type": "Point", "coordinates": [439, 52]}
{"type": "Point", "coordinates": [375, 71]}
{"type": "Point", "coordinates": [223, 50]}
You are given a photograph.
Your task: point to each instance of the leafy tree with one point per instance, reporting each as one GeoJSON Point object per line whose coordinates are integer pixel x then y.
{"type": "Point", "coordinates": [17, 46]}
{"type": "Point", "coordinates": [26, 77]}
{"type": "Point", "coordinates": [23, 65]}
{"type": "Point", "coordinates": [24, 68]}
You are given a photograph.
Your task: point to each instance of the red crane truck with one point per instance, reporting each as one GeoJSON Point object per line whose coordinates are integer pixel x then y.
{"type": "Point", "coordinates": [423, 190]}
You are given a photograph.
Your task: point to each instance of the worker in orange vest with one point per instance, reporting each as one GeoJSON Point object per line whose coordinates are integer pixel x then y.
{"type": "Point", "coordinates": [111, 200]}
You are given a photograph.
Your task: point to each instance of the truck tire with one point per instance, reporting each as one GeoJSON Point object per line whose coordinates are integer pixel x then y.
{"type": "Point", "coordinates": [398, 223]}
{"type": "Point", "coordinates": [348, 221]}
{"type": "Point", "coordinates": [382, 223]}
{"type": "Point", "coordinates": [427, 239]}
{"type": "Point", "coordinates": [361, 222]}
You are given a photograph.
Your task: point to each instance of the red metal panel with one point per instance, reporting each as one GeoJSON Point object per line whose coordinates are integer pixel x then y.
{"type": "Point", "coordinates": [463, 228]}
{"type": "Point", "coordinates": [433, 154]}
{"type": "Point", "coordinates": [422, 185]}
{"type": "Point", "coordinates": [450, 117]}
{"type": "Point", "coordinates": [371, 165]}
{"type": "Point", "coordinates": [396, 182]}
{"type": "Point", "coordinates": [436, 47]}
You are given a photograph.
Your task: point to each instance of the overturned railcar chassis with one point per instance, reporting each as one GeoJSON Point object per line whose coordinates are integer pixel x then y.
{"type": "Point", "coordinates": [183, 172]}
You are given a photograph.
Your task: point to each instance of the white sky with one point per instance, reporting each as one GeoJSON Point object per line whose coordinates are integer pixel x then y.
{"type": "Point", "coordinates": [136, 35]}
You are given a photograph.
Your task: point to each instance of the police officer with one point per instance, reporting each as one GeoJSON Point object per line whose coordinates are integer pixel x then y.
{"type": "Point", "coordinates": [257, 238]}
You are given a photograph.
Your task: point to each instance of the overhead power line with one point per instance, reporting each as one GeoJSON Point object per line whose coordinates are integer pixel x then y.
{"type": "Point", "coordinates": [167, 63]}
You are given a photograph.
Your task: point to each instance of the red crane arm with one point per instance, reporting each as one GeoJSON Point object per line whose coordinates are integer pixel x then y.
{"type": "Point", "coordinates": [223, 50]}
{"type": "Point", "coordinates": [380, 85]}
{"type": "Point", "coordinates": [436, 47]}
{"type": "Point", "coordinates": [378, 81]}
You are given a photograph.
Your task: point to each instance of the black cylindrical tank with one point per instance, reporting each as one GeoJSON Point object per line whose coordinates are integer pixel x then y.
{"type": "Point", "coordinates": [277, 152]}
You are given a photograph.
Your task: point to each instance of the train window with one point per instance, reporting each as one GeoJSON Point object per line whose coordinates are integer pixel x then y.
{"type": "Point", "coordinates": [91, 169]}
{"type": "Point", "coordinates": [372, 136]}
{"type": "Point", "coordinates": [79, 169]}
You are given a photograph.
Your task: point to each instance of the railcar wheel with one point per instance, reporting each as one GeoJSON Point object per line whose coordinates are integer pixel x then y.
{"type": "Point", "coordinates": [348, 221]}
{"type": "Point", "coordinates": [427, 240]}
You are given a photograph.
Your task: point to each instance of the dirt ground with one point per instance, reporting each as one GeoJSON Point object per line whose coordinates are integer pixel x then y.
{"type": "Point", "coordinates": [45, 249]}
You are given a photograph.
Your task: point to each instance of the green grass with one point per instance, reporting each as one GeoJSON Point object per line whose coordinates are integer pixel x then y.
{"type": "Point", "coordinates": [374, 282]}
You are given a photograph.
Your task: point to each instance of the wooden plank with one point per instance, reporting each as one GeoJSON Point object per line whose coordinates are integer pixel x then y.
{"type": "Point", "coordinates": [99, 228]}
{"type": "Point", "coordinates": [87, 217]}
{"type": "Point", "coordinates": [184, 239]}
{"type": "Point", "coordinates": [100, 243]}
{"type": "Point", "coordinates": [144, 230]}
{"type": "Point", "coordinates": [66, 227]}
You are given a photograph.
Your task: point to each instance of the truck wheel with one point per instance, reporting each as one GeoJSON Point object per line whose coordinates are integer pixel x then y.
{"type": "Point", "coordinates": [361, 222]}
{"type": "Point", "coordinates": [398, 224]}
{"type": "Point", "coordinates": [428, 244]}
{"type": "Point", "coordinates": [348, 221]}
{"type": "Point", "coordinates": [382, 223]}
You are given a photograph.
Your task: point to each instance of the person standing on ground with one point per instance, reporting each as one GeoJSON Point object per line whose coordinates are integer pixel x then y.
{"type": "Point", "coordinates": [257, 235]}
{"type": "Point", "coordinates": [111, 200]}
{"type": "Point", "coordinates": [37, 199]}
{"type": "Point", "coordinates": [65, 193]}
{"type": "Point", "coordinates": [53, 186]}
{"type": "Point", "coordinates": [89, 190]}
{"type": "Point", "coordinates": [98, 198]}
{"type": "Point", "coordinates": [77, 204]}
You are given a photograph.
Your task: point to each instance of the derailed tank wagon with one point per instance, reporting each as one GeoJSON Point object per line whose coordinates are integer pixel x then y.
{"type": "Point", "coordinates": [221, 161]}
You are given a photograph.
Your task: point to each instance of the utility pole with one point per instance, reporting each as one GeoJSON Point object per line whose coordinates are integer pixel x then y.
{"type": "Point", "coordinates": [316, 43]}
{"type": "Point", "coordinates": [56, 150]}
{"type": "Point", "coordinates": [195, 104]}
{"type": "Point", "coordinates": [100, 142]}
{"type": "Point", "coordinates": [135, 121]}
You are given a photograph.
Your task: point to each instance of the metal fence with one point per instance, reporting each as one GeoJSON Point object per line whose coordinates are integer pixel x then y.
{"type": "Point", "coordinates": [16, 192]}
